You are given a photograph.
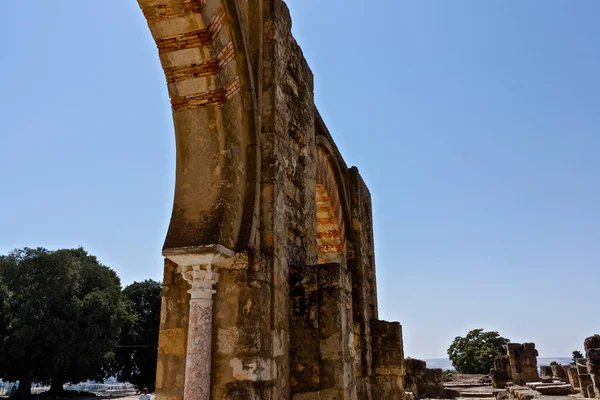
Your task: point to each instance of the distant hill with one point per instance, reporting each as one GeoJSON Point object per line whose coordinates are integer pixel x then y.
{"type": "Point", "coordinates": [445, 363]}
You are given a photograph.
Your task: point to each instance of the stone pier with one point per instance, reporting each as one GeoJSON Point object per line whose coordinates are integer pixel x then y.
{"type": "Point", "coordinates": [558, 372]}
{"type": "Point", "coordinates": [546, 372]}
{"type": "Point", "coordinates": [523, 362]}
{"type": "Point", "coordinates": [583, 376]}
{"type": "Point", "coordinates": [592, 352]}
{"type": "Point", "coordinates": [572, 376]}
{"type": "Point", "coordinates": [501, 373]}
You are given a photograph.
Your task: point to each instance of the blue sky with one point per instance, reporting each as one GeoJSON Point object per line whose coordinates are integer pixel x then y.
{"type": "Point", "coordinates": [476, 125]}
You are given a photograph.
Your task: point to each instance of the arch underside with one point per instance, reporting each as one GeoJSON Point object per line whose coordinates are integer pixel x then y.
{"type": "Point", "coordinates": [331, 232]}
{"type": "Point", "coordinates": [201, 49]}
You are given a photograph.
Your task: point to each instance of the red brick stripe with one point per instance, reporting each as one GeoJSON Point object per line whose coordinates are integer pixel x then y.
{"type": "Point", "coordinates": [211, 98]}
{"type": "Point", "coordinates": [207, 68]}
{"type": "Point", "coordinates": [197, 38]}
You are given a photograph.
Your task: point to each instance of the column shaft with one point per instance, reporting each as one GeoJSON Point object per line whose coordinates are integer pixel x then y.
{"type": "Point", "coordinates": [199, 346]}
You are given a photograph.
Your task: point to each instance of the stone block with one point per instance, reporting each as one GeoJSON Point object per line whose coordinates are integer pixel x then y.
{"type": "Point", "coordinates": [592, 352]}
{"type": "Point", "coordinates": [558, 372]}
{"type": "Point", "coordinates": [501, 374]}
{"type": "Point", "coordinates": [546, 371]}
{"type": "Point", "coordinates": [523, 362]}
{"type": "Point", "coordinates": [556, 390]}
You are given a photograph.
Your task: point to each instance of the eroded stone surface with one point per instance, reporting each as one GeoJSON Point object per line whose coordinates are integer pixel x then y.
{"type": "Point", "coordinates": [523, 362]}
{"type": "Point", "coordinates": [592, 352]}
{"type": "Point", "coordinates": [258, 173]}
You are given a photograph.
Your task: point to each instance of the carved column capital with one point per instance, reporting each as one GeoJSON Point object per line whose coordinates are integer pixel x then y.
{"type": "Point", "coordinates": [201, 279]}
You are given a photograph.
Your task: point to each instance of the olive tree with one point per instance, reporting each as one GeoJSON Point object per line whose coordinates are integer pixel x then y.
{"type": "Point", "coordinates": [475, 353]}
{"type": "Point", "coordinates": [64, 311]}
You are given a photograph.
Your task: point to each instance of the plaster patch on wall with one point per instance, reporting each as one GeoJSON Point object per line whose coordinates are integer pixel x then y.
{"type": "Point", "coordinates": [254, 369]}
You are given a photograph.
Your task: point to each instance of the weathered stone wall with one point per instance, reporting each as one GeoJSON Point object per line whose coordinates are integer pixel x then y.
{"type": "Point", "coordinates": [546, 371]}
{"type": "Point", "coordinates": [423, 381]}
{"type": "Point", "coordinates": [592, 352]}
{"type": "Point", "coordinates": [572, 377]}
{"type": "Point", "coordinates": [584, 377]}
{"type": "Point", "coordinates": [388, 360]}
{"type": "Point", "coordinates": [258, 174]}
{"type": "Point", "coordinates": [501, 373]}
{"type": "Point", "coordinates": [558, 372]}
{"type": "Point", "coordinates": [523, 362]}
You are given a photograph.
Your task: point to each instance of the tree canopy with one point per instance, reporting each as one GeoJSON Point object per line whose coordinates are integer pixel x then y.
{"type": "Point", "coordinates": [576, 354]}
{"type": "Point", "coordinates": [137, 348]}
{"type": "Point", "coordinates": [63, 311]}
{"type": "Point", "coordinates": [475, 353]}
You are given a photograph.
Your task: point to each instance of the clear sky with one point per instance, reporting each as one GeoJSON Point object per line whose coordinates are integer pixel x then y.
{"type": "Point", "coordinates": [476, 125]}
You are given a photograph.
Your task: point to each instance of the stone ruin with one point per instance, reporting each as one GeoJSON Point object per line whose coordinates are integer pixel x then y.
{"type": "Point", "coordinates": [585, 381]}
{"type": "Point", "coordinates": [583, 377]}
{"type": "Point", "coordinates": [269, 279]}
{"type": "Point", "coordinates": [501, 373]}
{"type": "Point", "coordinates": [424, 382]}
{"type": "Point", "coordinates": [523, 362]}
{"type": "Point", "coordinates": [592, 352]}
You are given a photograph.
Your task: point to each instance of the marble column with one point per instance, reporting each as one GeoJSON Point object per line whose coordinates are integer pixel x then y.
{"type": "Point", "coordinates": [199, 265]}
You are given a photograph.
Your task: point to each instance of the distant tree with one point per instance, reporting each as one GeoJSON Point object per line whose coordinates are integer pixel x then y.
{"type": "Point", "coordinates": [576, 354]}
{"type": "Point", "coordinates": [66, 311]}
{"type": "Point", "coordinates": [475, 353]}
{"type": "Point", "coordinates": [137, 349]}
{"type": "Point", "coordinates": [553, 363]}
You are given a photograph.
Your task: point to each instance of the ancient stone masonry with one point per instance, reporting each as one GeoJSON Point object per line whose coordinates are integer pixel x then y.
{"type": "Point", "coordinates": [269, 283]}
{"type": "Point", "coordinates": [523, 362]}
{"type": "Point", "coordinates": [519, 366]}
{"type": "Point", "coordinates": [546, 372]}
{"type": "Point", "coordinates": [558, 372]}
{"type": "Point", "coordinates": [500, 374]}
{"type": "Point", "coordinates": [388, 360]}
{"type": "Point", "coordinates": [572, 376]}
{"type": "Point", "coordinates": [585, 380]}
{"type": "Point", "coordinates": [592, 352]}
{"type": "Point", "coordinates": [423, 381]}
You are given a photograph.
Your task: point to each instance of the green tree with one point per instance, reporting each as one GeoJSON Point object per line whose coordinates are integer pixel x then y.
{"type": "Point", "coordinates": [136, 353]}
{"type": "Point", "coordinates": [65, 311]}
{"type": "Point", "coordinates": [475, 353]}
{"type": "Point", "coordinates": [576, 354]}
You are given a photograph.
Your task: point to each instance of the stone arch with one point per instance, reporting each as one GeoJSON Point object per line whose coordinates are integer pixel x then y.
{"type": "Point", "coordinates": [203, 52]}
{"type": "Point", "coordinates": [331, 226]}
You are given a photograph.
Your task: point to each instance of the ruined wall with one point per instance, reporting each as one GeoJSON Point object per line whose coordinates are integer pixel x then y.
{"type": "Point", "coordinates": [294, 314]}
{"type": "Point", "coordinates": [501, 373]}
{"type": "Point", "coordinates": [592, 352]}
{"type": "Point", "coordinates": [523, 362]}
{"type": "Point", "coordinates": [585, 381]}
{"type": "Point", "coordinates": [388, 360]}
{"type": "Point", "coordinates": [423, 381]}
